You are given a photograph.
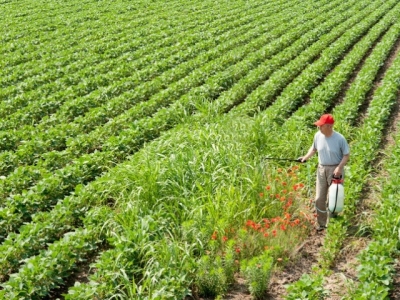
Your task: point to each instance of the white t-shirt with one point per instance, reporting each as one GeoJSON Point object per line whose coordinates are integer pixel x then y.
{"type": "Point", "coordinates": [330, 149]}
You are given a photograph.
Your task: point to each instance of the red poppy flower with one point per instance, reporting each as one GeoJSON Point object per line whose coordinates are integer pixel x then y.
{"type": "Point", "coordinates": [249, 223]}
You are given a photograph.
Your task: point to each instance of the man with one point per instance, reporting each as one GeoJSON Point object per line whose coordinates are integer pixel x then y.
{"type": "Point", "coordinates": [333, 154]}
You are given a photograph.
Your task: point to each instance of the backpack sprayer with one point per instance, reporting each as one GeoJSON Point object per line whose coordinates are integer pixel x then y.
{"type": "Point", "coordinates": [336, 195]}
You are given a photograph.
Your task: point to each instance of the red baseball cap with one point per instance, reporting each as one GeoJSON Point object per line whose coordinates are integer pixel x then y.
{"type": "Point", "coordinates": [325, 119]}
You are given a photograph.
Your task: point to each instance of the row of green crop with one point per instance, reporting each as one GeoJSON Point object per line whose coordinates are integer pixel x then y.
{"type": "Point", "coordinates": [75, 107]}
{"type": "Point", "coordinates": [210, 90]}
{"type": "Point", "coordinates": [79, 27]}
{"type": "Point", "coordinates": [79, 20]}
{"type": "Point", "coordinates": [39, 275]}
{"type": "Point", "coordinates": [110, 110]}
{"type": "Point", "coordinates": [112, 45]}
{"type": "Point", "coordinates": [325, 95]}
{"type": "Point", "coordinates": [376, 269]}
{"type": "Point", "coordinates": [292, 95]}
{"type": "Point", "coordinates": [14, 37]}
{"type": "Point", "coordinates": [123, 120]}
{"type": "Point", "coordinates": [25, 13]}
{"type": "Point", "coordinates": [364, 149]}
{"type": "Point", "coordinates": [132, 54]}
{"type": "Point", "coordinates": [375, 282]}
{"type": "Point", "coordinates": [156, 74]}
{"type": "Point", "coordinates": [40, 48]}
{"type": "Point", "coordinates": [269, 78]}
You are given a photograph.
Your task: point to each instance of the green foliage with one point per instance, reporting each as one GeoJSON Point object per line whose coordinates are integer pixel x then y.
{"type": "Point", "coordinates": [166, 99]}
{"type": "Point", "coordinates": [333, 242]}
{"type": "Point", "coordinates": [307, 287]}
{"type": "Point", "coordinates": [211, 279]}
{"type": "Point", "coordinates": [256, 272]}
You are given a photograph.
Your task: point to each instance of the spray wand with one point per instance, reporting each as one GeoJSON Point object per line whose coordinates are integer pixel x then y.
{"type": "Point", "coordinates": [287, 159]}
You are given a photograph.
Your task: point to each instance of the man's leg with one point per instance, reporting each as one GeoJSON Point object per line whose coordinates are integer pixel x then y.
{"type": "Point", "coordinates": [321, 196]}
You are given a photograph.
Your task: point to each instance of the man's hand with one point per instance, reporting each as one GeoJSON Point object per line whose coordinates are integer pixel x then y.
{"type": "Point", "coordinates": [301, 159]}
{"type": "Point", "coordinates": [337, 172]}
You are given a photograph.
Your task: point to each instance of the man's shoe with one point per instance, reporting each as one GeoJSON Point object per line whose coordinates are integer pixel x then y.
{"type": "Point", "coordinates": [321, 227]}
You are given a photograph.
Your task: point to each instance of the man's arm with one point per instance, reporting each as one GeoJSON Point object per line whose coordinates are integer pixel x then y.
{"type": "Point", "coordinates": [309, 154]}
{"type": "Point", "coordinates": [339, 169]}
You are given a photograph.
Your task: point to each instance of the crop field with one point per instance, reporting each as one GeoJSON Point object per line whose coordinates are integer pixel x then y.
{"type": "Point", "coordinates": [135, 137]}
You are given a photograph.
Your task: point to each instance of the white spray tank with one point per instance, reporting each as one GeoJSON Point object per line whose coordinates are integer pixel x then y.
{"type": "Point", "coordinates": [336, 195]}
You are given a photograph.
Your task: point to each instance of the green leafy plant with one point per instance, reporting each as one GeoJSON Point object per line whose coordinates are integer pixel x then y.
{"type": "Point", "coordinates": [307, 287]}
{"type": "Point", "coordinates": [211, 278]}
{"type": "Point", "coordinates": [256, 272]}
